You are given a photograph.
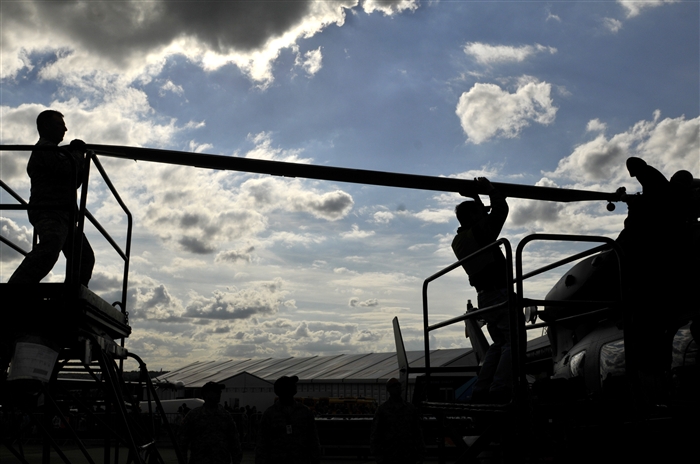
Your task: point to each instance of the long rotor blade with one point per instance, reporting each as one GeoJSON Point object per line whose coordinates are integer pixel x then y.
{"type": "Point", "coordinates": [356, 176]}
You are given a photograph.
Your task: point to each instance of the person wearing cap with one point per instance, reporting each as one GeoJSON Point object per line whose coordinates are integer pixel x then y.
{"type": "Point", "coordinates": [287, 429]}
{"type": "Point", "coordinates": [396, 434]}
{"type": "Point", "coordinates": [487, 274]}
{"type": "Point", "coordinates": [209, 432]}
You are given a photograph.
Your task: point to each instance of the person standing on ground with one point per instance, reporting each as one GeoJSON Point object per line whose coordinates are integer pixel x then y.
{"type": "Point", "coordinates": [209, 432]}
{"type": "Point", "coordinates": [396, 434]}
{"type": "Point", "coordinates": [288, 429]}
{"type": "Point", "coordinates": [487, 274]}
{"type": "Point", "coordinates": [54, 179]}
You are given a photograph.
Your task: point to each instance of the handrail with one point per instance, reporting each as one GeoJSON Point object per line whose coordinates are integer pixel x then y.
{"type": "Point", "coordinates": [427, 328]}
{"type": "Point", "coordinates": [516, 301]}
{"type": "Point", "coordinates": [126, 254]}
{"type": "Point", "coordinates": [608, 244]}
{"type": "Point", "coordinates": [72, 264]}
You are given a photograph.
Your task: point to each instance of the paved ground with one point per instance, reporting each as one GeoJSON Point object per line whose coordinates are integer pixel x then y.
{"type": "Point", "coordinates": [33, 455]}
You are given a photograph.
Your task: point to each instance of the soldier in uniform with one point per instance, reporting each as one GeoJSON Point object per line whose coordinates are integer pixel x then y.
{"type": "Point", "coordinates": [287, 429]}
{"type": "Point", "coordinates": [209, 432]}
{"type": "Point", "coordinates": [396, 435]}
{"type": "Point", "coordinates": [53, 177]}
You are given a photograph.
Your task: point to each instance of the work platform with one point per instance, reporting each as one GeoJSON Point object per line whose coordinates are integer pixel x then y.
{"type": "Point", "coordinates": [65, 348]}
{"type": "Point", "coordinates": [60, 310]}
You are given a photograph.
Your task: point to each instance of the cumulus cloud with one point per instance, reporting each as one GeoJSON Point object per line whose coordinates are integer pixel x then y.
{"type": "Point", "coordinates": [486, 110]}
{"type": "Point", "coordinates": [17, 234]}
{"type": "Point", "coordinates": [234, 256]}
{"type": "Point", "coordinates": [330, 205]}
{"type": "Point", "coordinates": [282, 337]}
{"type": "Point", "coordinates": [204, 212]}
{"type": "Point", "coordinates": [264, 299]}
{"type": "Point", "coordinates": [311, 62]}
{"type": "Point", "coordinates": [552, 17]}
{"type": "Point", "coordinates": [491, 54]}
{"type": "Point", "coordinates": [131, 37]}
{"type": "Point", "coordinates": [382, 217]}
{"type": "Point", "coordinates": [595, 125]}
{"type": "Point", "coordinates": [356, 302]}
{"type": "Point", "coordinates": [671, 144]}
{"type": "Point", "coordinates": [635, 7]}
{"type": "Point", "coordinates": [292, 195]}
{"type": "Point", "coordinates": [613, 25]}
{"type": "Point", "coordinates": [264, 150]}
{"type": "Point", "coordinates": [119, 116]}
{"type": "Point", "coordinates": [193, 210]}
{"type": "Point", "coordinates": [132, 40]}
{"type": "Point", "coordinates": [199, 147]}
{"type": "Point", "coordinates": [668, 144]}
{"type": "Point", "coordinates": [389, 7]}
{"type": "Point", "coordinates": [151, 300]}
{"type": "Point", "coordinates": [356, 233]}
{"type": "Point", "coordinates": [169, 86]}
{"type": "Point", "coordinates": [438, 216]}
{"type": "Point", "coordinates": [290, 239]}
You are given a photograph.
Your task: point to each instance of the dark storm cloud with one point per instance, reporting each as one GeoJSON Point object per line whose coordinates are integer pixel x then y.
{"type": "Point", "coordinates": [119, 30]}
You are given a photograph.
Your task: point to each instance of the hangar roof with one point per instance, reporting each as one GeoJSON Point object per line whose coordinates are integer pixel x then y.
{"type": "Point", "coordinates": [343, 368]}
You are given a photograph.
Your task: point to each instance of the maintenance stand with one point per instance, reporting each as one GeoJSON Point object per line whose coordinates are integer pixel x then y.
{"type": "Point", "coordinates": [65, 348]}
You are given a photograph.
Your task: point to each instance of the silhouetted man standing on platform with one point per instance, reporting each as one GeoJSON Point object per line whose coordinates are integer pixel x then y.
{"type": "Point", "coordinates": [54, 179]}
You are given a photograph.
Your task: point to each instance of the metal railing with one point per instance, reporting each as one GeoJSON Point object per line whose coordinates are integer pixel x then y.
{"type": "Point", "coordinates": [516, 302]}
{"type": "Point", "coordinates": [509, 304]}
{"type": "Point", "coordinates": [77, 217]}
{"type": "Point", "coordinates": [608, 244]}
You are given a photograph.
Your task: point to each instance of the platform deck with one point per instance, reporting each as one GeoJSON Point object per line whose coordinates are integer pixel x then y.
{"type": "Point", "coordinates": [53, 308]}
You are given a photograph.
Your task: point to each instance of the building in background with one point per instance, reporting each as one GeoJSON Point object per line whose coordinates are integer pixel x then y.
{"type": "Point", "coordinates": [250, 381]}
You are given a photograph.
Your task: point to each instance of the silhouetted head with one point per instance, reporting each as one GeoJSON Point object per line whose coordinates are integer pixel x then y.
{"type": "Point", "coordinates": [682, 178]}
{"type": "Point", "coordinates": [393, 386]}
{"type": "Point", "coordinates": [211, 393]}
{"type": "Point", "coordinates": [51, 126]}
{"type": "Point", "coordinates": [286, 387]}
{"type": "Point", "coordinates": [635, 165]}
{"type": "Point", "coordinates": [468, 212]}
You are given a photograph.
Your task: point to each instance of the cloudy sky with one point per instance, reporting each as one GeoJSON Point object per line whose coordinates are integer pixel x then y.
{"type": "Point", "coordinates": [228, 264]}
